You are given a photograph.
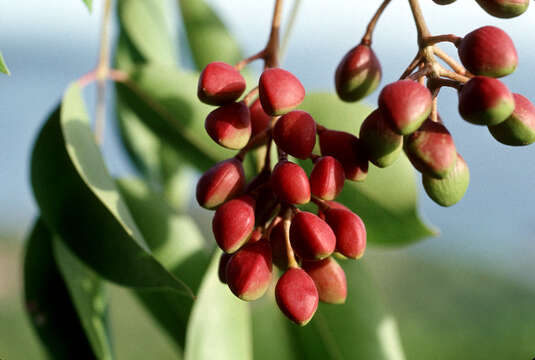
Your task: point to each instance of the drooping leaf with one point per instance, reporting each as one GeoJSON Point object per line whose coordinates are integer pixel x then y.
{"type": "Point", "coordinates": [177, 243]}
{"type": "Point", "coordinates": [387, 200]}
{"type": "Point", "coordinates": [219, 327]}
{"type": "Point", "coordinates": [78, 199]}
{"type": "Point", "coordinates": [51, 310]}
{"type": "Point", "coordinates": [3, 66]}
{"type": "Point", "coordinates": [207, 36]}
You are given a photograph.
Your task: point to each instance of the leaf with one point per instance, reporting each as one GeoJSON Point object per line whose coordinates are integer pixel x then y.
{"type": "Point", "coordinates": [387, 200]}
{"type": "Point", "coordinates": [219, 327]}
{"type": "Point", "coordinates": [207, 36]}
{"type": "Point", "coordinates": [177, 243]}
{"type": "Point", "coordinates": [79, 200]}
{"type": "Point", "coordinates": [3, 66]}
{"type": "Point", "coordinates": [49, 305]}
{"type": "Point", "coordinates": [89, 4]}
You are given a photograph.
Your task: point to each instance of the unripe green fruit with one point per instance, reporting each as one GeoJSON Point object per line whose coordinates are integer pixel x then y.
{"type": "Point", "coordinates": [449, 190]}
{"type": "Point", "coordinates": [382, 144]}
{"type": "Point", "coordinates": [504, 8]}
{"type": "Point", "coordinates": [329, 278]}
{"type": "Point", "coordinates": [519, 128]}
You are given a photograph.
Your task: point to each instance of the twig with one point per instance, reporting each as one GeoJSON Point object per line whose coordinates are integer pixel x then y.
{"type": "Point", "coordinates": [432, 40]}
{"type": "Point", "coordinates": [458, 68]}
{"type": "Point", "coordinates": [286, 221]}
{"type": "Point", "coordinates": [453, 75]}
{"type": "Point", "coordinates": [289, 28]}
{"type": "Point", "coordinates": [272, 46]}
{"type": "Point", "coordinates": [367, 38]}
{"type": "Point", "coordinates": [413, 65]}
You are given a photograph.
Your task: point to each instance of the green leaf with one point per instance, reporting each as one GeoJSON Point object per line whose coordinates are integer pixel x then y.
{"type": "Point", "coordinates": [89, 4]}
{"type": "Point", "coordinates": [177, 243]}
{"type": "Point", "coordinates": [88, 293]}
{"type": "Point", "coordinates": [387, 200]}
{"type": "Point", "coordinates": [3, 66]}
{"type": "Point", "coordinates": [219, 327]}
{"type": "Point", "coordinates": [79, 200]}
{"type": "Point", "coordinates": [48, 301]}
{"type": "Point", "coordinates": [207, 36]}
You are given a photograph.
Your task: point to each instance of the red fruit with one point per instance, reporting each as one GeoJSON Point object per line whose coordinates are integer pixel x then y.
{"type": "Point", "coordinates": [233, 223]}
{"type": "Point", "coordinates": [347, 149]}
{"type": "Point", "coordinates": [333, 205]}
{"type": "Point", "coordinates": [485, 101]}
{"type": "Point", "coordinates": [290, 183]}
{"type": "Point", "coordinates": [256, 235]}
{"type": "Point", "coordinates": [405, 104]}
{"type": "Point", "coordinates": [222, 268]}
{"type": "Point", "coordinates": [504, 8]}
{"type": "Point", "coordinates": [519, 128]}
{"type": "Point", "coordinates": [220, 83]}
{"type": "Point", "coordinates": [259, 119]}
{"type": "Point", "coordinates": [279, 91]}
{"type": "Point", "coordinates": [349, 230]}
{"type": "Point", "coordinates": [358, 74]}
{"type": "Point", "coordinates": [311, 237]}
{"type": "Point", "coordinates": [297, 296]}
{"type": "Point", "coordinates": [278, 246]}
{"type": "Point", "coordinates": [249, 271]}
{"type": "Point", "coordinates": [431, 149]}
{"type": "Point", "coordinates": [229, 125]}
{"type": "Point", "coordinates": [295, 133]}
{"type": "Point", "coordinates": [329, 278]}
{"type": "Point", "coordinates": [488, 51]}
{"type": "Point", "coordinates": [221, 182]}
{"type": "Point", "coordinates": [327, 178]}
{"type": "Point", "coordinates": [382, 144]}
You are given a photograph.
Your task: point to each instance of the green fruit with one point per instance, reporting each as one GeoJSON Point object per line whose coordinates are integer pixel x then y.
{"type": "Point", "coordinates": [519, 128]}
{"type": "Point", "coordinates": [382, 144]}
{"type": "Point", "coordinates": [449, 190]}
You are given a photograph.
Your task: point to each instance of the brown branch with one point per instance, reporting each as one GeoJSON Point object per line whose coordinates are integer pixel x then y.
{"type": "Point", "coordinates": [367, 38]}
{"type": "Point", "coordinates": [432, 40]}
{"type": "Point", "coordinates": [457, 67]}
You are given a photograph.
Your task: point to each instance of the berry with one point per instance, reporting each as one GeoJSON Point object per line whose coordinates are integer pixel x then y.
{"type": "Point", "coordinates": [297, 296]}
{"type": "Point", "coordinates": [449, 190]}
{"type": "Point", "coordinates": [220, 183]}
{"type": "Point", "coordinates": [519, 128]}
{"type": "Point", "coordinates": [488, 51]}
{"type": "Point", "coordinates": [329, 278]}
{"type": "Point", "coordinates": [279, 253]}
{"type": "Point", "coordinates": [220, 83]}
{"type": "Point", "coordinates": [443, 2]}
{"type": "Point", "coordinates": [259, 119]}
{"type": "Point", "coordinates": [222, 268]}
{"type": "Point", "coordinates": [382, 144]}
{"type": "Point", "coordinates": [290, 183]}
{"type": "Point", "coordinates": [233, 223]}
{"type": "Point", "coordinates": [279, 91]}
{"type": "Point", "coordinates": [504, 8]}
{"type": "Point", "coordinates": [249, 271]}
{"type": "Point", "coordinates": [485, 101]}
{"type": "Point", "coordinates": [311, 237]}
{"type": "Point", "coordinates": [349, 230]}
{"type": "Point", "coordinates": [229, 125]}
{"type": "Point", "coordinates": [405, 104]}
{"type": "Point", "coordinates": [331, 205]}
{"type": "Point", "coordinates": [295, 133]}
{"type": "Point", "coordinates": [358, 74]}
{"type": "Point", "coordinates": [347, 149]}
{"type": "Point", "coordinates": [431, 149]}
{"type": "Point", "coordinates": [327, 178]}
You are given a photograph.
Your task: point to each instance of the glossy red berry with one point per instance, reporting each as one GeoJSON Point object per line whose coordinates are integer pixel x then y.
{"type": "Point", "coordinates": [333, 205]}
{"type": "Point", "coordinates": [311, 237]}
{"type": "Point", "coordinates": [504, 8]}
{"type": "Point", "coordinates": [297, 296]}
{"type": "Point", "coordinates": [220, 183]}
{"type": "Point", "coordinates": [220, 83]}
{"type": "Point", "coordinates": [431, 149]}
{"type": "Point", "coordinates": [222, 267]}
{"type": "Point", "coordinates": [279, 91]}
{"type": "Point", "coordinates": [519, 128]}
{"type": "Point", "coordinates": [229, 125]}
{"type": "Point", "coordinates": [233, 223]}
{"type": "Point", "coordinates": [327, 178]}
{"type": "Point", "coordinates": [358, 74]}
{"type": "Point", "coordinates": [451, 189]}
{"type": "Point", "coordinates": [295, 133]}
{"type": "Point", "coordinates": [260, 121]}
{"type": "Point", "coordinates": [488, 51]}
{"type": "Point", "coordinates": [349, 230]}
{"type": "Point", "coordinates": [290, 183]}
{"type": "Point", "coordinates": [382, 144]}
{"type": "Point", "coordinates": [485, 101]}
{"type": "Point", "coordinates": [249, 271]}
{"type": "Point", "coordinates": [329, 278]}
{"type": "Point", "coordinates": [405, 104]}
{"type": "Point", "coordinates": [347, 149]}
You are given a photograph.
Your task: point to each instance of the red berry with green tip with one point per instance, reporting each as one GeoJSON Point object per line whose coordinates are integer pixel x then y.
{"type": "Point", "coordinates": [504, 8]}
{"type": "Point", "coordinates": [349, 230]}
{"type": "Point", "coordinates": [382, 144]}
{"type": "Point", "coordinates": [311, 237]}
{"type": "Point", "coordinates": [279, 91]}
{"type": "Point", "coordinates": [485, 101]}
{"type": "Point", "coordinates": [295, 133]}
{"type": "Point", "coordinates": [233, 223]}
{"type": "Point", "coordinates": [297, 296]}
{"type": "Point", "coordinates": [229, 125]}
{"type": "Point", "coordinates": [290, 183]}
{"type": "Point", "coordinates": [405, 104]}
{"type": "Point", "coordinates": [329, 278]}
{"type": "Point", "coordinates": [260, 121]}
{"type": "Point", "coordinates": [249, 271]}
{"type": "Point", "coordinates": [327, 178]}
{"type": "Point", "coordinates": [220, 83]}
{"type": "Point", "coordinates": [220, 183]}
{"type": "Point", "coordinates": [358, 74]}
{"type": "Point", "coordinates": [347, 149]}
{"type": "Point", "coordinates": [451, 189]}
{"type": "Point", "coordinates": [488, 51]}
{"type": "Point", "coordinates": [519, 128]}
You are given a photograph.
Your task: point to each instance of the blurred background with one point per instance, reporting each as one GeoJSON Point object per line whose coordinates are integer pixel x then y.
{"type": "Point", "coordinates": [468, 291]}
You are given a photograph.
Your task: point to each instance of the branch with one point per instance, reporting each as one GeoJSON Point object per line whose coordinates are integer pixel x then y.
{"type": "Point", "coordinates": [367, 38]}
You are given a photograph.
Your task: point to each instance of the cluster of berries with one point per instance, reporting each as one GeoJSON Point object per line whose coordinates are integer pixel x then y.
{"type": "Point", "coordinates": [504, 9]}
{"type": "Point", "coordinates": [257, 224]}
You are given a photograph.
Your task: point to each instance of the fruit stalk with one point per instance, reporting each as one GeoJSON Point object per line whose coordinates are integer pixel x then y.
{"type": "Point", "coordinates": [367, 38]}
